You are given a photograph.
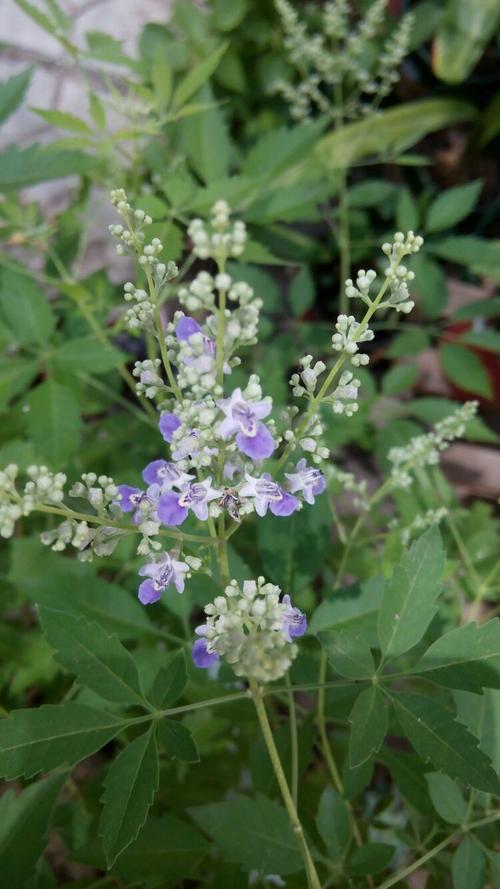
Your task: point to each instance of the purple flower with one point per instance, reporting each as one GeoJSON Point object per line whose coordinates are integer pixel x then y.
{"type": "Point", "coordinates": [295, 621]}
{"type": "Point", "coordinates": [202, 657]}
{"type": "Point", "coordinates": [160, 575]}
{"type": "Point", "coordinates": [131, 500]}
{"type": "Point", "coordinates": [174, 507]}
{"type": "Point", "coordinates": [306, 479]}
{"type": "Point", "coordinates": [243, 420]}
{"type": "Point", "coordinates": [167, 425]}
{"type": "Point", "coordinates": [165, 474]}
{"type": "Point", "coordinates": [267, 494]}
{"type": "Point", "coordinates": [186, 327]}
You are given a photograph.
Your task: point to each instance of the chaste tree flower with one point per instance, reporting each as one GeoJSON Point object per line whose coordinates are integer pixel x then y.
{"type": "Point", "coordinates": [253, 629]}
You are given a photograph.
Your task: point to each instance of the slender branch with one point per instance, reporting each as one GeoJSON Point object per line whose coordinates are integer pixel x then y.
{"type": "Point", "coordinates": [161, 335]}
{"type": "Point", "coordinates": [112, 523]}
{"type": "Point", "coordinates": [310, 868]}
{"type": "Point", "coordinates": [292, 710]}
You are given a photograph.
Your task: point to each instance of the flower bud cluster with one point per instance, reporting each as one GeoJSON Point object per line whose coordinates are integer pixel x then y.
{"type": "Point", "coordinates": [349, 334]}
{"type": "Point", "coordinates": [252, 629]}
{"type": "Point", "coordinates": [337, 54]}
{"type": "Point", "coordinates": [10, 505]}
{"type": "Point", "coordinates": [44, 486]}
{"type": "Point", "coordinates": [347, 481]}
{"type": "Point", "coordinates": [78, 534]}
{"type": "Point", "coordinates": [199, 294]}
{"type": "Point", "coordinates": [131, 237]}
{"type": "Point", "coordinates": [397, 274]}
{"type": "Point", "coordinates": [150, 382]}
{"type": "Point", "coordinates": [219, 240]}
{"type": "Point", "coordinates": [100, 491]}
{"type": "Point", "coordinates": [424, 450]}
{"type": "Point", "coordinates": [344, 397]}
{"type": "Point", "coordinates": [140, 314]}
{"type": "Point", "coordinates": [305, 382]}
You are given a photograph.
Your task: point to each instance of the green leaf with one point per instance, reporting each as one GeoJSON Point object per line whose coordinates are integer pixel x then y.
{"type": "Point", "coordinates": [430, 285]}
{"type": "Point", "coordinates": [292, 552]}
{"type": "Point", "coordinates": [12, 92]}
{"type": "Point", "coordinates": [371, 858]}
{"type": "Point", "coordinates": [206, 141]}
{"type": "Point", "coordinates": [99, 661]}
{"type": "Point", "coordinates": [465, 369]}
{"type": "Point", "coordinates": [358, 610]}
{"type": "Point", "coordinates": [407, 215]}
{"type": "Point", "coordinates": [97, 111]}
{"type": "Point", "coordinates": [130, 787]}
{"type": "Point", "coordinates": [408, 342]}
{"type": "Point", "coordinates": [168, 850]}
{"type": "Point", "coordinates": [254, 833]}
{"type": "Point", "coordinates": [24, 821]}
{"type": "Point", "coordinates": [41, 739]}
{"type": "Point", "coordinates": [177, 740]}
{"type": "Point", "coordinates": [406, 771]}
{"type": "Point", "coordinates": [87, 354]}
{"type": "Point", "coordinates": [447, 798]}
{"type": "Point", "coordinates": [161, 77]}
{"type": "Point", "coordinates": [170, 682]}
{"type": "Point", "coordinates": [20, 167]}
{"type": "Point", "coordinates": [399, 378]}
{"type": "Point", "coordinates": [277, 149]}
{"type": "Point", "coordinates": [334, 824]}
{"type": "Point", "coordinates": [48, 579]}
{"type": "Point", "coordinates": [466, 658]}
{"type": "Point", "coordinates": [302, 292]}
{"type": "Point", "coordinates": [348, 653]}
{"type": "Point", "coordinates": [369, 720]}
{"type": "Point", "coordinates": [16, 374]}
{"type": "Point", "coordinates": [410, 596]}
{"type": "Point", "coordinates": [452, 206]}
{"type": "Point", "coordinates": [439, 739]}
{"type": "Point", "coordinates": [197, 76]}
{"type": "Point", "coordinates": [462, 36]}
{"type": "Point", "coordinates": [26, 310]}
{"type": "Point", "coordinates": [478, 254]}
{"type": "Point", "coordinates": [106, 48]}
{"type": "Point", "coordinates": [64, 121]}
{"type": "Point", "coordinates": [468, 865]}
{"type": "Point", "coordinates": [371, 193]}
{"type": "Point", "coordinates": [53, 422]}
{"type": "Point", "coordinates": [391, 131]}
{"type": "Point", "coordinates": [228, 16]}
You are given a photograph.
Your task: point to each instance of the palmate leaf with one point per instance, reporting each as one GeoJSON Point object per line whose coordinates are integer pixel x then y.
{"type": "Point", "coordinates": [439, 739]}
{"type": "Point", "coordinates": [348, 653]}
{"type": "Point", "coordinates": [369, 719]}
{"type": "Point", "coordinates": [24, 820]}
{"type": "Point", "coordinates": [99, 661]}
{"type": "Point", "coordinates": [410, 596]}
{"type": "Point", "coordinates": [254, 833]}
{"type": "Point", "coordinates": [467, 658]}
{"type": "Point", "coordinates": [131, 784]}
{"type": "Point", "coordinates": [177, 740]}
{"type": "Point", "coordinates": [39, 740]}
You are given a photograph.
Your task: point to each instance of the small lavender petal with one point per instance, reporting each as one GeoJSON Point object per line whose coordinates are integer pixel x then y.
{"type": "Point", "coordinates": [186, 327]}
{"type": "Point", "coordinates": [259, 446]}
{"type": "Point", "coordinates": [170, 512]}
{"type": "Point", "coordinates": [167, 425]}
{"type": "Point", "coordinates": [295, 622]}
{"type": "Point", "coordinates": [126, 492]}
{"type": "Point", "coordinates": [201, 657]}
{"type": "Point", "coordinates": [150, 472]}
{"type": "Point", "coordinates": [284, 507]}
{"type": "Point", "coordinates": [147, 593]}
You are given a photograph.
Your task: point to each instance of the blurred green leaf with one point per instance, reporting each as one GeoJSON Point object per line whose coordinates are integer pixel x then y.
{"type": "Point", "coordinates": [53, 421]}
{"type": "Point", "coordinates": [63, 120]}
{"type": "Point", "coordinates": [447, 798]}
{"type": "Point", "coordinates": [26, 310]}
{"type": "Point", "coordinates": [20, 167]}
{"type": "Point", "coordinates": [452, 206]}
{"type": "Point", "coordinates": [371, 858]}
{"type": "Point", "coordinates": [399, 378]}
{"type": "Point", "coordinates": [430, 285]}
{"type": "Point", "coordinates": [24, 822]}
{"type": "Point", "coordinates": [302, 292]}
{"type": "Point", "coordinates": [199, 74]}
{"type": "Point", "coordinates": [465, 369]}
{"type": "Point", "coordinates": [468, 865]}
{"type": "Point", "coordinates": [334, 823]}
{"type": "Point", "coordinates": [463, 33]}
{"type": "Point", "coordinates": [12, 92]}
{"type": "Point", "coordinates": [170, 682]}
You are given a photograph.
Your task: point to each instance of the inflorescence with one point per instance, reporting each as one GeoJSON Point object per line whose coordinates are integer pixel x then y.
{"type": "Point", "coordinates": [226, 455]}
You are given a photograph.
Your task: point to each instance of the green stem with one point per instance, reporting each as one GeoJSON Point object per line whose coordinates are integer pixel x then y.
{"type": "Point", "coordinates": [223, 553]}
{"type": "Point", "coordinates": [294, 744]}
{"type": "Point", "coordinates": [318, 398]}
{"type": "Point", "coordinates": [112, 523]}
{"type": "Point", "coordinates": [312, 876]}
{"type": "Point", "coordinates": [161, 336]}
{"type": "Point", "coordinates": [392, 881]}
